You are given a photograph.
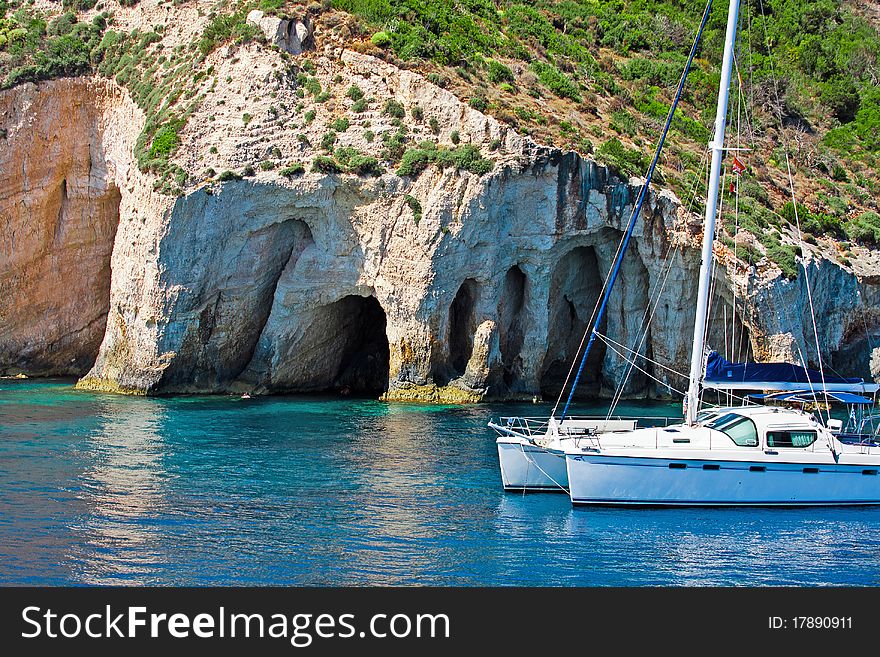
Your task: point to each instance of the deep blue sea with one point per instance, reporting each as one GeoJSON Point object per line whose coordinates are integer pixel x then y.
{"type": "Point", "coordinates": [102, 489]}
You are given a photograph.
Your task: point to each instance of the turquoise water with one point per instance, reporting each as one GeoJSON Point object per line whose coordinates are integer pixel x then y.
{"type": "Point", "coordinates": [100, 489]}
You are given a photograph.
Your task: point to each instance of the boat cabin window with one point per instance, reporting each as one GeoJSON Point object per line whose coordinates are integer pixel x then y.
{"type": "Point", "coordinates": [790, 438]}
{"type": "Point", "coordinates": [741, 430]}
{"type": "Point", "coordinates": [703, 416]}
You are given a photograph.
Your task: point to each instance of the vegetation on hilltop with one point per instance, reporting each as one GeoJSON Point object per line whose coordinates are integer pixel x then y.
{"type": "Point", "coordinates": [597, 77]}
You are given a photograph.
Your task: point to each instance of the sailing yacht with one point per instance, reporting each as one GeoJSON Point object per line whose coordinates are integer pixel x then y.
{"type": "Point", "coordinates": [738, 456]}
{"type": "Point", "coordinates": [531, 451]}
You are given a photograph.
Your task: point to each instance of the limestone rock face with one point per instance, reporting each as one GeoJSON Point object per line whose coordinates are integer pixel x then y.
{"type": "Point", "coordinates": [64, 171]}
{"type": "Point", "coordinates": [290, 35]}
{"type": "Point", "coordinates": [331, 282]}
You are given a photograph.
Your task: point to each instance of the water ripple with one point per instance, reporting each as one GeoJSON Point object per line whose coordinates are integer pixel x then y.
{"type": "Point", "coordinates": [100, 489]}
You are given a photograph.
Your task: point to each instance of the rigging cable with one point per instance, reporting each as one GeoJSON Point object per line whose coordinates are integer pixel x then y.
{"type": "Point", "coordinates": [794, 204]}
{"type": "Point", "coordinates": [650, 311]}
{"type": "Point", "coordinates": [638, 206]}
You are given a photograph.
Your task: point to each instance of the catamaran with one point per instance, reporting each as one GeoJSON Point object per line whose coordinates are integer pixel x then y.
{"type": "Point", "coordinates": [737, 456]}
{"type": "Point", "coordinates": [531, 451]}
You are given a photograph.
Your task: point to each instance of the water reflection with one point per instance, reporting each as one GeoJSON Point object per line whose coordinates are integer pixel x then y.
{"type": "Point", "coordinates": [125, 489]}
{"type": "Point", "coordinates": [393, 530]}
{"type": "Point", "coordinates": [304, 491]}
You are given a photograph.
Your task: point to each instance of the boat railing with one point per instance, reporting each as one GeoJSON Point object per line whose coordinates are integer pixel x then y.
{"type": "Point", "coordinates": [863, 439]}
{"type": "Point", "coordinates": [538, 426]}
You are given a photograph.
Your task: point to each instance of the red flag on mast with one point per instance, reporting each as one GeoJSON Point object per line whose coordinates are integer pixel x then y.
{"type": "Point", "coordinates": [737, 166]}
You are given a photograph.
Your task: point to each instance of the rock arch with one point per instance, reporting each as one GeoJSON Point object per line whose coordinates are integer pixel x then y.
{"type": "Point", "coordinates": [574, 289]}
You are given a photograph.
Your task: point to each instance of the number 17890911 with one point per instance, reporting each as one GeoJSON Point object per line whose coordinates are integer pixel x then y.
{"type": "Point", "coordinates": [810, 623]}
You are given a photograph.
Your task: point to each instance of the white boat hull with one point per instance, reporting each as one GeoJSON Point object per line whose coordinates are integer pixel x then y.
{"type": "Point", "coordinates": [527, 467]}
{"type": "Point", "coordinates": [603, 479]}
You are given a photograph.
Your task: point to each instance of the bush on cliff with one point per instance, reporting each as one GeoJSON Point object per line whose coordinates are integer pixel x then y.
{"type": "Point", "coordinates": [465, 157]}
{"type": "Point", "coordinates": [223, 28]}
{"type": "Point", "coordinates": [33, 53]}
{"type": "Point", "coordinates": [166, 140]}
{"type": "Point", "coordinates": [865, 228]}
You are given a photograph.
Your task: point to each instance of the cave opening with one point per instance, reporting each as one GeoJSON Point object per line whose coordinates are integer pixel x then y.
{"type": "Point", "coordinates": [855, 353]}
{"type": "Point", "coordinates": [462, 326]}
{"type": "Point", "coordinates": [511, 324]}
{"type": "Point", "coordinates": [361, 346]}
{"type": "Point", "coordinates": [575, 287]}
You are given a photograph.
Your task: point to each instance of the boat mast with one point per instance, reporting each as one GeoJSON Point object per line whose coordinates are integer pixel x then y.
{"type": "Point", "coordinates": [717, 146]}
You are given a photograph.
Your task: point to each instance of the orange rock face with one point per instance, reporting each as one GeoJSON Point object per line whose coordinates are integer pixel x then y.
{"type": "Point", "coordinates": [59, 210]}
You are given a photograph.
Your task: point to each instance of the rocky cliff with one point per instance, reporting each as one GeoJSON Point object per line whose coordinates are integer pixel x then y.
{"type": "Point", "coordinates": [446, 285]}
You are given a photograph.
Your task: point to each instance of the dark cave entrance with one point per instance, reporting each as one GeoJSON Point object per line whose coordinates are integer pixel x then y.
{"type": "Point", "coordinates": [462, 326]}
{"type": "Point", "coordinates": [363, 352]}
{"type": "Point", "coordinates": [574, 289]}
{"type": "Point", "coordinates": [511, 324]}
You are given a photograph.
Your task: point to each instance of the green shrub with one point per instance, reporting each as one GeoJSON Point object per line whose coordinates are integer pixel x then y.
{"type": "Point", "coordinates": [360, 105]}
{"type": "Point", "coordinates": [246, 118]}
{"type": "Point", "coordinates": [271, 6]}
{"type": "Point", "coordinates": [414, 161]}
{"type": "Point", "coordinates": [393, 109]}
{"type": "Point", "coordinates": [61, 25]}
{"type": "Point", "coordinates": [325, 164]}
{"type": "Point", "coordinates": [292, 170]}
{"type": "Point", "coordinates": [479, 103]}
{"type": "Point", "coordinates": [394, 145]}
{"type": "Point", "coordinates": [166, 140]}
{"type": "Point", "coordinates": [454, 137]}
{"type": "Point", "coordinates": [817, 223]}
{"type": "Point", "coordinates": [434, 125]}
{"type": "Point", "coordinates": [622, 121]}
{"type": "Point", "coordinates": [248, 171]}
{"type": "Point", "coordinates": [381, 39]}
{"type": "Point", "coordinates": [308, 117]}
{"type": "Point", "coordinates": [340, 125]}
{"type": "Point", "coordinates": [498, 72]}
{"type": "Point", "coordinates": [865, 228]}
{"type": "Point", "coordinates": [328, 140]}
{"type": "Point", "coordinates": [355, 162]}
{"type": "Point", "coordinates": [228, 175]}
{"type": "Point", "coordinates": [369, 136]}
{"type": "Point", "coordinates": [625, 160]}
{"type": "Point", "coordinates": [267, 165]}
{"type": "Point", "coordinates": [417, 113]}
{"type": "Point", "coordinates": [223, 28]}
{"type": "Point", "coordinates": [468, 158]}
{"type": "Point", "coordinates": [78, 5]}
{"type": "Point", "coordinates": [556, 81]}
{"type": "Point", "coordinates": [415, 206]}
{"type": "Point", "coordinates": [784, 256]}
{"type": "Point", "coordinates": [309, 83]}
{"type": "Point", "coordinates": [354, 92]}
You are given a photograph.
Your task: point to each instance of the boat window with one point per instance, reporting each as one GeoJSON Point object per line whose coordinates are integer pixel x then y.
{"type": "Point", "coordinates": [741, 430]}
{"type": "Point", "coordinates": [703, 416]}
{"type": "Point", "coordinates": [790, 438]}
